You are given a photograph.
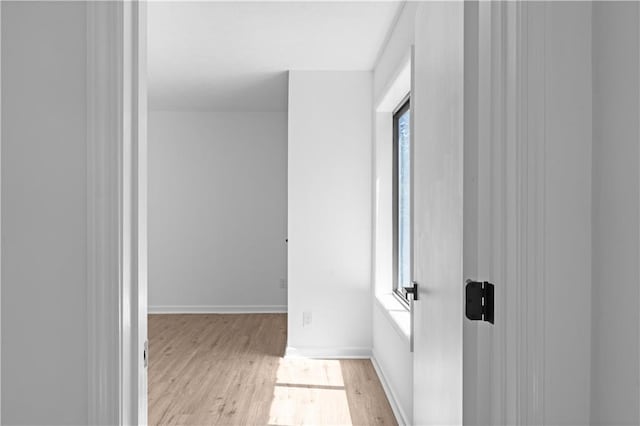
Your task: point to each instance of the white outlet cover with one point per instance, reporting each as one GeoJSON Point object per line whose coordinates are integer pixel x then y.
{"type": "Point", "coordinates": [306, 318]}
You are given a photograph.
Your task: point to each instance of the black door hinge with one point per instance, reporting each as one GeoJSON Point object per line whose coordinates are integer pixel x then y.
{"type": "Point", "coordinates": [479, 296]}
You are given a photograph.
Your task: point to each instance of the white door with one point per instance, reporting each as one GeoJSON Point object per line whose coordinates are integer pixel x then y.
{"type": "Point", "coordinates": [455, 223]}
{"type": "Point", "coordinates": [438, 156]}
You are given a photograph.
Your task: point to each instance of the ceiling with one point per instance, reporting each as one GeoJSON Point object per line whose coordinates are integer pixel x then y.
{"type": "Point", "coordinates": [233, 56]}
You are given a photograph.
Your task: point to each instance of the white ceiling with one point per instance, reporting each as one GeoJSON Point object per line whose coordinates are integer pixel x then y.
{"type": "Point", "coordinates": [233, 56]}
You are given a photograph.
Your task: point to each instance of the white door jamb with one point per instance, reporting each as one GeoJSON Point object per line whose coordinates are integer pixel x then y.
{"type": "Point", "coordinates": [112, 233]}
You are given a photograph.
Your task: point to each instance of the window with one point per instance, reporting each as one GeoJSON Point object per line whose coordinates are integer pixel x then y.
{"type": "Point", "coordinates": [402, 199]}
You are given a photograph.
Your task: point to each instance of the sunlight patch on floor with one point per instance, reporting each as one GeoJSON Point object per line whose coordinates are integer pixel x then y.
{"type": "Point", "coordinates": [309, 391]}
{"type": "Point", "coordinates": [327, 372]}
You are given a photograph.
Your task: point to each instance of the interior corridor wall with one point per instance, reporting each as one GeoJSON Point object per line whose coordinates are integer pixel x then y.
{"type": "Point", "coordinates": [44, 276]}
{"type": "Point", "coordinates": [217, 211]}
{"type": "Point", "coordinates": [615, 385]}
{"type": "Point", "coordinates": [391, 321]}
{"type": "Point", "coordinates": [329, 182]}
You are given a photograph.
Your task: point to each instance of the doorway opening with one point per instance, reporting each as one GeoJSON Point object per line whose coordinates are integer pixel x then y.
{"type": "Point", "coordinates": [249, 162]}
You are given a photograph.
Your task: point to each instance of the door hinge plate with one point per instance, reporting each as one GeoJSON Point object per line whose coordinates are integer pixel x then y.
{"type": "Point", "coordinates": [479, 301]}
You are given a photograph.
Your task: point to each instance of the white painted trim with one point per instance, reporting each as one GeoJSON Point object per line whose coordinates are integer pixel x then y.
{"type": "Point", "coordinates": [639, 191]}
{"type": "Point", "coordinates": [139, 171]}
{"type": "Point", "coordinates": [512, 168]}
{"type": "Point", "coordinates": [517, 140]}
{"type": "Point", "coordinates": [218, 309]}
{"type": "Point", "coordinates": [328, 352]}
{"type": "Point", "coordinates": [533, 142]}
{"type": "Point", "coordinates": [398, 412]}
{"type": "Point", "coordinates": [492, 173]}
{"type": "Point", "coordinates": [484, 399]}
{"type": "Point", "coordinates": [0, 214]}
{"type": "Point", "coordinates": [401, 320]}
{"type": "Point", "coordinates": [523, 190]}
{"type": "Point", "coordinates": [516, 209]}
{"type": "Point", "coordinates": [412, 216]}
{"type": "Point", "coordinates": [114, 356]}
{"type": "Point", "coordinates": [104, 162]}
{"type": "Point", "coordinates": [398, 87]}
{"type": "Point", "coordinates": [511, 242]}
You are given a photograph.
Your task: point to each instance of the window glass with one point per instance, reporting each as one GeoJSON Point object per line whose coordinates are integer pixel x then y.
{"type": "Point", "coordinates": [404, 199]}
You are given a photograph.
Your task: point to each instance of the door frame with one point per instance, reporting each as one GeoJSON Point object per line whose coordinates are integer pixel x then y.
{"type": "Point", "coordinates": [639, 196]}
{"type": "Point", "coordinates": [0, 212]}
{"type": "Point", "coordinates": [116, 207]}
{"type": "Point", "coordinates": [116, 212]}
{"type": "Point", "coordinates": [509, 240]}
{"type": "Point", "coordinates": [516, 178]}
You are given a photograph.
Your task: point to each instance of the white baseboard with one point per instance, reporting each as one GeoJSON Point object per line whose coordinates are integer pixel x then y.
{"type": "Point", "coordinates": [328, 353]}
{"type": "Point", "coordinates": [398, 412]}
{"type": "Point", "coordinates": [212, 309]}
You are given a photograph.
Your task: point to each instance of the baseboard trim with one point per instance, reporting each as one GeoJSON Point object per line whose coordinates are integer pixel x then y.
{"type": "Point", "coordinates": [400, 415]}
{"type": "Point", "coordinates": [213, 309]}
{"type": "Point", "coordinates": [328, 353]}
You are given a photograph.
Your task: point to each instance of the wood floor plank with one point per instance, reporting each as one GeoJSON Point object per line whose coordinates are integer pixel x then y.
{"type": "Point", "coordinates": [207, 369]}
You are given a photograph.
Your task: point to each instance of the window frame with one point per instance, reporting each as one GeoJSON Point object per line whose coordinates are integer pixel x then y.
{"type": "Point", "coordinates": [403, 106]}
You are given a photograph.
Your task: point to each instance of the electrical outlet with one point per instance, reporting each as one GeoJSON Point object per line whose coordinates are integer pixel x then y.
{"type": "Point", "coordinates": [306, 318]}
{"type": "Point", "coordinates": [283, 283]}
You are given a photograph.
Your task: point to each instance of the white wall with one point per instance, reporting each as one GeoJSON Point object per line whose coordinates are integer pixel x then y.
{"type": "Point", "coordinates": [395, 51]}
{"type": "Point", "coordinates": [217, 211]}
{"type": "Point", "coordinates": [391, 352]}
{"type": "Point", "coordinates": [614, 387]}
{"type": "Point", "coordinates": [44, 334]}
{"type": "Point", "coordinates": [391, 346]}
{"type": "Point", "coordinates": [567, 215]}
{"type": "Point", "coordinates": [329, 185]}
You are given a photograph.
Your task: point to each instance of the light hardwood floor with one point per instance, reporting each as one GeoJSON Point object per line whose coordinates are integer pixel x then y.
{"type": "Point", "coordinates": [230, 370]}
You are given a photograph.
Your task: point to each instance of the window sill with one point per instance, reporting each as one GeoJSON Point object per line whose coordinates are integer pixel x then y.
{"type": "Point", "coordinates": [397, 313]}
